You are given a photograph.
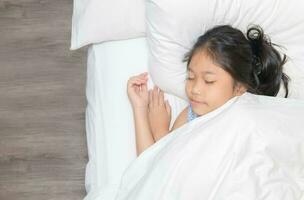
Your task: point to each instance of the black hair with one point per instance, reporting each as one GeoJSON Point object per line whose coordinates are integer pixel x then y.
{"type": "Point", "coordinates": [251, 60]}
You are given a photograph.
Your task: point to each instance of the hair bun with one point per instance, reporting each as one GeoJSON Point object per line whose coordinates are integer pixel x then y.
{"type": "Point", "coordinates": [255, 33]}
{"type": "Point", "coordinates": [256, 38]}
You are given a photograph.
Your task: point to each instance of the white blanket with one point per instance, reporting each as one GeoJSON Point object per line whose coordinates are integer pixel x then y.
{"type": "Point", "coordinates": [250, 148]}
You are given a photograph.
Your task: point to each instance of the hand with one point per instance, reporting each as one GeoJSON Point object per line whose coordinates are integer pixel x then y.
{"type": "Point", "coordinates": [159, 113]}
{"type": "Point", "coordinates": [137, 91]}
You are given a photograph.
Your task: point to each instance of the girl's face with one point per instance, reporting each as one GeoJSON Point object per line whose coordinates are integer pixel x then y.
{"type": "Point", "coordinates": [208, 86]}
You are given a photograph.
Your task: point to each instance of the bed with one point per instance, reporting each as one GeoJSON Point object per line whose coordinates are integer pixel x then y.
{"type": "Point", "coordinates": [109, 119]}
{"type": "Point", "coordinates": [154, 39]}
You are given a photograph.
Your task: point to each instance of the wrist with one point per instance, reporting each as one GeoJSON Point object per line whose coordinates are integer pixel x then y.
{"type": "Point", "coordinates": [140, 110]}
{"type": "Point", "coordinates": [159, 134]}
{"type": "Point", "coordinates": [161, 131]}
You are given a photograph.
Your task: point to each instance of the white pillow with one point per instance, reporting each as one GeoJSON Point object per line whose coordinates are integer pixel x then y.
{"type": "Point", "coordinates": [97, 21]}
{"type": "Point", "coordinates": [174, 26]}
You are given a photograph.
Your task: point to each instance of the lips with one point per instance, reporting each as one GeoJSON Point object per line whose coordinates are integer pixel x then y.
{"type": "Point", "coordinates": [195, 102]}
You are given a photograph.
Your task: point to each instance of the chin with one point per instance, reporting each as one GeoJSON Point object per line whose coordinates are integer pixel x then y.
{"type": "Point", "coordinates": [199, 111]}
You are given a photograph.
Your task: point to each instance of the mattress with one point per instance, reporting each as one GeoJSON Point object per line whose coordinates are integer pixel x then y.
{"type": "Point", "coordinates": [109, 119]}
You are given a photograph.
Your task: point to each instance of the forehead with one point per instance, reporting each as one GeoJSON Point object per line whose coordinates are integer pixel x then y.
{"type": "Point", "coordinates": [201, 62]}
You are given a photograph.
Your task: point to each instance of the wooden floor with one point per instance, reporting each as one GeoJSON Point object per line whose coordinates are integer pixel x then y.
{"type": "Point", "coordinates": [42, 103]}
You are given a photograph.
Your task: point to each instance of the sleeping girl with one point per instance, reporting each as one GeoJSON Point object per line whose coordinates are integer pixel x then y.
{"type": "Point", "coordinates": [222, 64]}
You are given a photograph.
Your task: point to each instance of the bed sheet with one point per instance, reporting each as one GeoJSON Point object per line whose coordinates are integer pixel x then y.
{"type": "Point", "coordinates": [109, 118]}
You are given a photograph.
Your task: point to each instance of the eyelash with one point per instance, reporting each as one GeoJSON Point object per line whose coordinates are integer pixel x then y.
{"type": "Point", "coordinates": [207, 82]}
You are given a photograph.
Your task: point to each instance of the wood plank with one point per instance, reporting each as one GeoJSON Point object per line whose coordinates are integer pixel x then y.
{"type": "Point", "coordinates": [43, 149]}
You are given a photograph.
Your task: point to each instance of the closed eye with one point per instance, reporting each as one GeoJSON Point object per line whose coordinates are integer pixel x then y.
{"type": "Point", "coordinates": [188, 77]}
{"type": "Point", "coordinates": [209, 82]}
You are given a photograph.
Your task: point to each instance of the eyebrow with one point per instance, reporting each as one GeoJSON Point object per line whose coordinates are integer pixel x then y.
{"type": "Point", "coordinates": [203, 72]}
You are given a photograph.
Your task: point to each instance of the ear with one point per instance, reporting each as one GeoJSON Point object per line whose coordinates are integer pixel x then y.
{"type": "Point", "coordinates": [239, 89]}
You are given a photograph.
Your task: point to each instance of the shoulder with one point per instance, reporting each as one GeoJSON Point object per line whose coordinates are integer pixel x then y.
{"type": "Point", "coordinates": [181, 119]}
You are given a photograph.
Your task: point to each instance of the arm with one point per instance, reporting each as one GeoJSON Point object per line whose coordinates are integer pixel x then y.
{"type": "Point", "coordinates": [160, 115]}
{"type": "Point", "coordinates": [138, 96]}
{"type": "Point", "coordinates": [180, 120]}
{"type": "Point", "coordinates": [144, 137]}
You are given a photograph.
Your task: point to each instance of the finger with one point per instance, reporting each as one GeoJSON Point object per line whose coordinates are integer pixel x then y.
{"type": "Point", "coordinates": [150, 98]}
{"type": "Point", "coordinates": [137, 89]}
{"type": "Point", "coordinates": [136, 81]}
{"type": "Point", "coordinates": [142, 77]}
{"type": "Point", "coordinates": [142, 81]}
{"type": "Point", "coordinates": [135, 84]}
{"type": "Point", "coordinates": [155, 96]}
{"type": "Point", "coordinates": [137, 77]}
{"type": "Point", "coordinates": [161, 98]}
{"type": "Point", "coordinates": [144, 87]}
{"type": "Point", "coordinates": [132, 79]}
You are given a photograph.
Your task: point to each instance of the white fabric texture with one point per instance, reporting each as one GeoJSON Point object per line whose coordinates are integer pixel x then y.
{"type": "Point", "coordinates": [250, 148]}
{"type": "Point", "coordinates": [174, 26]}
{"type": "Point", "coordinates": [265, 161]}
{"type": "Point", "coordinates": [96, 21]}
{"type": "Point", "coordinates": [109, 119]}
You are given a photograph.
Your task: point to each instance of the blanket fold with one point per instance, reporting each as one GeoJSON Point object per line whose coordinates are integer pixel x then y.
{"type": "Point", "coordinates": [250, 148]}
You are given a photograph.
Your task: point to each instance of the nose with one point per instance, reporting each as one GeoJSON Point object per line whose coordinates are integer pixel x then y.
{"type": "Point", "coordinates": [196, 88]}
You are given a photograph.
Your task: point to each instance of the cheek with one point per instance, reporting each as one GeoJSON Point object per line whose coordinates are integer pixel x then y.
{"type": "Point", "coordinates": [187, 87]}
{"type": "Point", "coordinates": [222, 93]}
